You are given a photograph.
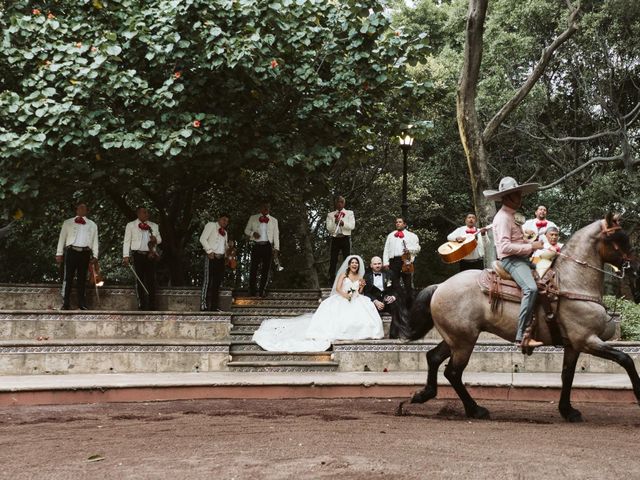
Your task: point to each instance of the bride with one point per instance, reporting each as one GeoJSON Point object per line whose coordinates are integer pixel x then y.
{"type": "Point", "coordinates": [345, 315]}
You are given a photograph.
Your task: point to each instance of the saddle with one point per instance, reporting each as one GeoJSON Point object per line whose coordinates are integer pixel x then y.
{"type": "Point", "coordinates": [498, 285]}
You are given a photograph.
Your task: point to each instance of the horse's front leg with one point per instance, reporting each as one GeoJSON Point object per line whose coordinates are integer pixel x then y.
{"type": "Point", "coordinates": [435, 357]}
{"type": "Point", "coordinates": [569, 362]}
{"type": "Point", "coordinates": [601, 349]}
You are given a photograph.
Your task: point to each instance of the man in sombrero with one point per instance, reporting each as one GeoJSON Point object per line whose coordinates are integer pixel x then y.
{"type": "Point", "coordinates": [514, 251]}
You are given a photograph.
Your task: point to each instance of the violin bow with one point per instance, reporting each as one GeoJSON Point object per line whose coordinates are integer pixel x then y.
{"type": "Point", "coordinates": [138, 278]}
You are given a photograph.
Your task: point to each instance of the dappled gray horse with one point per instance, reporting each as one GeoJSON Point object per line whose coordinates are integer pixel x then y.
{"type": "Point", "coordinates": [460, 311]}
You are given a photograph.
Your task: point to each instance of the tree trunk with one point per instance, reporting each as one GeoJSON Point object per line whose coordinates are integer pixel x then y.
{"type": "Point", "coordinates": [467, 116]}
{"type": "Point", "coordinates": [304, 231]}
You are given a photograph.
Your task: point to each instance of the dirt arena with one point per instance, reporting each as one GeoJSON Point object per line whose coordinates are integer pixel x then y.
{"type": "Point", "coordinates": [308, 439]}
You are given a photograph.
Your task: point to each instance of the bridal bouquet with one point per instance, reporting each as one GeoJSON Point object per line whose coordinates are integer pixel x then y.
{"type": "Point", "coordinates": [350, 293]}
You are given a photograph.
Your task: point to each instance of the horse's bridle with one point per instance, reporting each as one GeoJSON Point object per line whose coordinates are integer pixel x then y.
{"type": "Point", "coordinates": [606, 231]}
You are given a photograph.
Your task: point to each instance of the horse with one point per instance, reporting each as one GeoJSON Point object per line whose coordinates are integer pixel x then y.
{"type": "Point", "coordinates": [459, 310]}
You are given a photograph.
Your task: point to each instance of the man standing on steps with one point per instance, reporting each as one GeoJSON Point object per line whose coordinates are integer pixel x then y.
{"type": "Point", "coordinates": [214, 241]}
{"type": "Point", "coordinates": [340, 225]}
{"type": "Point", "coordinates": [401, 248]}
{"type": "Point", "coordinates": [140, 239]}
{"type": "Point", "coordinates": [77, 247]}
{"type": "Point", "coordinates": [262, 230]}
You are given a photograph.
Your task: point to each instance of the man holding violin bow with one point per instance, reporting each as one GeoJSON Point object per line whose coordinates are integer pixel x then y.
{"type": "Point", "coordinates": [77, 247]}
{"type": "Point", "coordinates": [215, 242]}
{"type": "Point", "coordinates": [400, 251]}
{"type": "Point", "coordinates": [141, 239]}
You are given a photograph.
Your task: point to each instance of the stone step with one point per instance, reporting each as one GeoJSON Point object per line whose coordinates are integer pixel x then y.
{"type": "Point", "coordinates": [272, 311]}
{"type": "Point", "coordinates": [25, 325]}
{"type": "Point", "coordinates": [273, 303]}
{"type": "Point", "coordinates": [293, 366]}
{"type": "Point", "coordinates": [262, 356]}
{"type": "Point", "coordinates": [123, 297]}
{"type": "Point", "coordinates": [118, 298]}
{"type": "Point", "coordinates": [273, 295]}
{"type": "Point", "coordinates": [495, 356]}
{"type": "Point", "coordinates": [111, 356]}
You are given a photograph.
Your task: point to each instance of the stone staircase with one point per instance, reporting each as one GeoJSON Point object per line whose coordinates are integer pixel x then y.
{"type": "Point", "coordinates": [35, 338]}
{"type": "Point", "coordinates": [50, 342]}
{"type": "Point", "coordinates": [246, 316]}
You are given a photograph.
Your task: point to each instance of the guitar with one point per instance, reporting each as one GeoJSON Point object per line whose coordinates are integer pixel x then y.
{"type": "Point", "coordinates": [452, 252]}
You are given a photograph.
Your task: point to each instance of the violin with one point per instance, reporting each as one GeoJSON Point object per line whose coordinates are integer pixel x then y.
{"type": "Point", "coordinates": [407, 264]}
{"type": "Point", "coordinates": [231, 256]}
{"type": "Point", "coordinates": [154, 252]}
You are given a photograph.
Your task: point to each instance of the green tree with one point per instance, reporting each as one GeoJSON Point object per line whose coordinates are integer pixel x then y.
{"type": "Point", "coordinates": [158, 103]}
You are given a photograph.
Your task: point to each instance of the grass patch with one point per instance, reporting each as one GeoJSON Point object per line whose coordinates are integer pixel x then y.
{"type": "Point", "coordinates": [629, 316]}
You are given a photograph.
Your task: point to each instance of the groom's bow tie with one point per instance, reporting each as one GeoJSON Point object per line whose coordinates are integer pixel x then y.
{"type": "Point", "coordinates": [377, 274]}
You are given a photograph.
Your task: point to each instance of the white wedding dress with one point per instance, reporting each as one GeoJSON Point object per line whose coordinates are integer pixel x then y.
{"type": "Point", "coordinates": [335, 319]}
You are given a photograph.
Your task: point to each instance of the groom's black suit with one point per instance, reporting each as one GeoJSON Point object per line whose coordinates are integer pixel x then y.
{"type": "Point", "coordinates": [374, 293]}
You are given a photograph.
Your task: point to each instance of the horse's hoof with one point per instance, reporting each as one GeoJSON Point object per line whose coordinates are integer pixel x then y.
{"type": "Point", "coordinates": [573, 416]}
{"type": "Point", "coordinates": [423, 395]}
{"type": "Point", "coordinates": [479, 413]}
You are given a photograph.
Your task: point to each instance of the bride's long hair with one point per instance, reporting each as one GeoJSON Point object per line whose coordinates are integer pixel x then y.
{"type": "Point", "coordinates": [353, 257]}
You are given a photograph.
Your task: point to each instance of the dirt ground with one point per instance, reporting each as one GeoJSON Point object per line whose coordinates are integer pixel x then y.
{"type": "Point", "coordinates": [309, 439]}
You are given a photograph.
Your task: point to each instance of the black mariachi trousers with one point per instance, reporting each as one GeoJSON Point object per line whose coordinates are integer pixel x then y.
{"type": "Point", "coordinates": [145, 269]}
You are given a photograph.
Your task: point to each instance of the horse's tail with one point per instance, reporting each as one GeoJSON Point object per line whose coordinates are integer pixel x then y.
{"type": "Point", "coordinates": [420, 320]}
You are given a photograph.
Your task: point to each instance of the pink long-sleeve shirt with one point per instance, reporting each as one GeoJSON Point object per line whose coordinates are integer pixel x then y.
{"type": "Point", "coordinates": [508, 236]}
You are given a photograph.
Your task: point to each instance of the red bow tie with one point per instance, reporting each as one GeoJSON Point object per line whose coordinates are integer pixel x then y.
{"type": "Point", "coordinates": [555, 247]}
{"type": "Point", "coordinates": [264, 219]}
{"type": "Point", "coordinates": [399, 234]}
{"type": "Point", "coordinates": [541, 223]}
{"type": "Point", "coordinates": [339, 215]}
{"type": "Point", "coordinates": [80, 220]}
{"type": "Point", "coordinates": [471, 230]}
{"type": "Point", "coordinates": [144, 226]}
{"type": "Point", "coordinates": [222, 232]}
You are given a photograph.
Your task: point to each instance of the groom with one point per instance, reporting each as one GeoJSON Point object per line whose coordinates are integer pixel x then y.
{"type": "Point", "coordinates": [379, 289]}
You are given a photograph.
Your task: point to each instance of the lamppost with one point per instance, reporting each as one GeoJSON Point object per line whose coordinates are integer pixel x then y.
{"type": "Point", "coordinates": [406, 141]}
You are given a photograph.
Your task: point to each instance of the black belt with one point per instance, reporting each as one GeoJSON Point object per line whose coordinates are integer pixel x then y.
{"type": "Point", "coordinates": [78, 249]}
{"type": "Point", "coordinates": [263, 243]}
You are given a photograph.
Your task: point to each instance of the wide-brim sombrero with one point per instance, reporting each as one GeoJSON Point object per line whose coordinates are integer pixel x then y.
{"type": "Point", "coordinates": [509, 185]}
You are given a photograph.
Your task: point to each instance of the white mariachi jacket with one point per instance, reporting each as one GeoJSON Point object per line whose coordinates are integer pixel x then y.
{"type": "Point", "coordinates": [540, 232]}
{"type": "Point", "coordinates": [273, 235]}
{"type": "Point", "coordinates": [68, 234]}
{"type": "Point", "coordinates": [211, 237]}
{"type": "Point", "coordinates": [133, 236]}
{"type": "Point", "coordinates": [478, 253]}
{"type": "Point", "coordinates": [349, 220]}
{"type": "Point", "coordinates": [393, 246]}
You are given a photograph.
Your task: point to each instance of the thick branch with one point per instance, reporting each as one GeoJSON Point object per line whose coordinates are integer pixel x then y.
{"type": "Point", "coordinates": [536, 73]}
{"type": "Point", "coordinates": [615, 158]}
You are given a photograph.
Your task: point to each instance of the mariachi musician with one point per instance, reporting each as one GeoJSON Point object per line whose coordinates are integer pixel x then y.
{"type": "Point", "coordinates": [474, 260]}
{"type": "Point", "coordinates": [215, 243]}
{"type": "Point", "coordinates": [141, 238]}
{"type": "Point", "coordinates": [77, 247]}
{"type": "Point", "coordinates": [400, 251]}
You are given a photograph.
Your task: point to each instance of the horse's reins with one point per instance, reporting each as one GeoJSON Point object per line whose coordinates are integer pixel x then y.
{"type": "Point", "coordinates": [605, 232]}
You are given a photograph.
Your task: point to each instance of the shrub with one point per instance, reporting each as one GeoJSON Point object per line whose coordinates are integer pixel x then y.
{"type": "Point", "coordinates": [629, 316]}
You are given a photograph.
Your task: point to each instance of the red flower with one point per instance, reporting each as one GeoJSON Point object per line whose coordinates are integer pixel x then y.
{"type": "Point", "coordinates": [397, 33]}
{"type": "Point", "coordinates": [35, 11]}
{"type": "Point", "coordinates": [177, 74]}
{"type": "Point", "coordinates": [94, 49]}
{"type": "Point", "coordinates": [274, 63]}
{"type": "Point", "coordinates": [51, 16]}
{"type": "Point", "coordinates": [79, 45]}
{"type": "Point", "coordinates": [196, 123]}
